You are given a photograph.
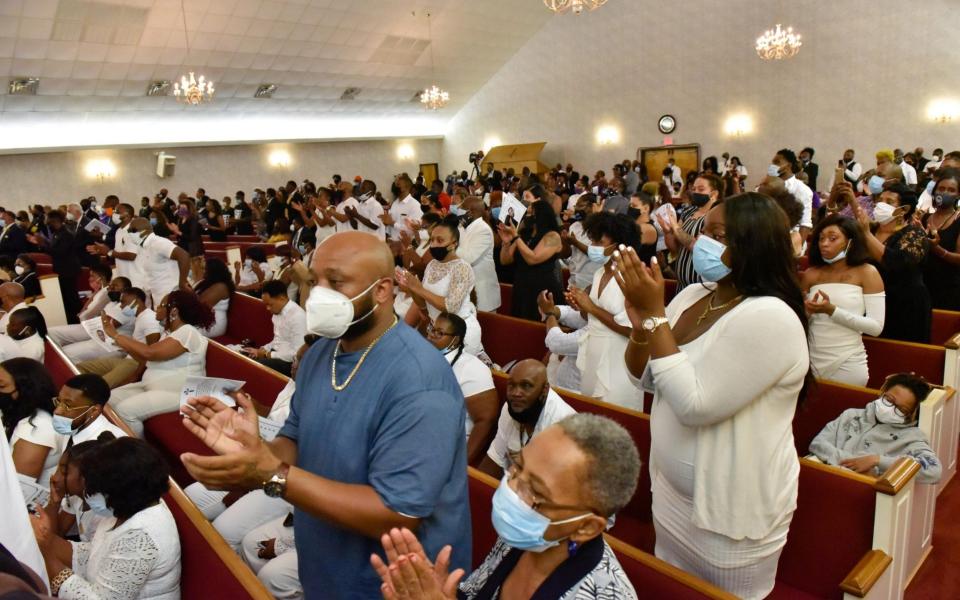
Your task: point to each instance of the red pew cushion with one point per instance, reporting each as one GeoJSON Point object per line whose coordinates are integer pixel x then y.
{"type": "Point", "coordinates": [261, 382]}
{"type": "Point", "coordinates": [167, 433]}
{"type": "Point", "coordinates": [57, 364]}
{"type": "Point", "coordinates": [247, 317]}
{"type": "Point", "coordinates": [944, 324]}
{"type": "Point", "coordinates": [885, 357]}
{"type": "Point", "coordinates": [507, 338]}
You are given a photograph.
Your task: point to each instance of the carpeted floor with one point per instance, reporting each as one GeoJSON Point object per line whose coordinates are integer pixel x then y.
{"type": "Point", "coordinates": [939, 577]}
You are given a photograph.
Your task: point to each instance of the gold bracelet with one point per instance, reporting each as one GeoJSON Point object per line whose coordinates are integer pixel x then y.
{"type": "Point", "coordinates": [639, 343]}
{"type": "Point", "coordinates": [59, 580]}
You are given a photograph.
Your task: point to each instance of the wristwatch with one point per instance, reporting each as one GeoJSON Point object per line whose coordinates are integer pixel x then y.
{"type": "Point", "coordinates": [650, 324]}
{"type": "Point", "coordinates": [276, 486]}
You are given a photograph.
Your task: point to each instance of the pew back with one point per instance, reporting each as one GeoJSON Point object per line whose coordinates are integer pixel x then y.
{"type": "Point", "coordinates": [507, 338]}
{"type": "Point", "coordinates": [944, 324]}
{"type": "Point", "coordinates": [247, 317]}
{"type": "Point", "coordinates": [885, 357]}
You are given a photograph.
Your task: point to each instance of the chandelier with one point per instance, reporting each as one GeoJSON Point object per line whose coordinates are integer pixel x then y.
{"type": "Point", "coordinates": [776, 44]}
{"type": "Point", "coordinates": [574, 6]}
{"type": "Point", "coordinates": [191, 90]}
{"type": "Point", "coordinates": [433, 97]}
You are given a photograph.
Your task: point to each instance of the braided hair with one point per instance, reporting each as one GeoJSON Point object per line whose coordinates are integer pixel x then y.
{"type": "Point", "coordinates": [459, 331]}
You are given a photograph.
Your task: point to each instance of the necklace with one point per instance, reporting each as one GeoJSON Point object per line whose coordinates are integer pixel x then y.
{"type": "Point", "coordinates": [363, 357]}
{"type": "Point", "coordinates": [711, 308]}
{"type": "Point", "coordinates": [945, 223]}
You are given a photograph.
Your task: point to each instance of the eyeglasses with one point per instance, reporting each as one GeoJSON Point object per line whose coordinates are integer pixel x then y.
{"type": "Point", "coordinates": [438, 333]}
{"type": "Point", "coordinates": [525, 490]}
{"type": "Point", "coordinates": [896, 409]}
{"type": "Point", "coordinates": [58, 403]}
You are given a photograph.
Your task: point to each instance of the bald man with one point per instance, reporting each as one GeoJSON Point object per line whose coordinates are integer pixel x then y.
{"type": "Point", "coordinates": [531, 407]}
{"type": "Point", "coordinates": [374, 439]}
{"type": "Point", "coordinates": [476, 247]}
{"type": "Point", "coordinates": [347, 209]}
{"type": "Point", "coordinates": [11, 299]}
{"type": "Point", "coordinates": [164, 265]}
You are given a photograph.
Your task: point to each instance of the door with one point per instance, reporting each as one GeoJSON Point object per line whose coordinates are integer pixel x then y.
{"type": "Point", "coordinates": [655, 159]}
{"type": "Point", "coordinates": [430, 173]}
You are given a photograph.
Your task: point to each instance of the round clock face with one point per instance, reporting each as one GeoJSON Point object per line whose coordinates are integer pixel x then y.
{"type": "Point", "coordinates": [667, 124]}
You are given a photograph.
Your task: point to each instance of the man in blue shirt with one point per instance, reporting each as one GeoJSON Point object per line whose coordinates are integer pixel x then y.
{"type": "Point", "coordinates": [374, 439]}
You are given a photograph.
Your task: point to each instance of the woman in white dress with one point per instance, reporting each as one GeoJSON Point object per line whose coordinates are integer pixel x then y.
{"type": "Point", "coordinates": [845, 300]}
{"type": "Point", "coordinates": [447, 283]}
{"type": "Point", "coordinates": [215, 290]}
{"type": "Point", "coordinates": [135, 552]}
{"type": "Point", "coordinates": [603, 341]}
{"type": "Point", "coordinates": [26, 403]}
{"type": "Point", "coordinates": [726, 362]}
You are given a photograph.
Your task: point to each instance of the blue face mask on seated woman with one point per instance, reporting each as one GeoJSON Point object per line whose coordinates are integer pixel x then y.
{"type": "Point", "coordinates": [707, 262]}
{"type": "Point", "coordinates": [518, 524]}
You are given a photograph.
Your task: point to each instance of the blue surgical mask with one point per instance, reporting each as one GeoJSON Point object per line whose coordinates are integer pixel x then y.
{"type": "Point", "coordinates": [518, 524]}
{"type": "Point", "coordinates": [153, 221]}
{"type": "Point", "coordinates": [98, 504]}
{"type": "Point", "coordinates": [495, 212]}
{"type": "Point", "coordinates": [595, 254]}
{"type": "Point", "coordinates": [456, 210]}
{"type": "Point", "coordinates": [875, 185]}
{"type": "Point", "coordinates": [930, 186]}
{"type": "Point", "coordinates": [64, 425]}
{"type": "Point", "coordinates": [840, 255]}
{"type": "Point", "coordinates": [129, 311]}
{"type": "Point", "coordinates": [706, 259]}
{"type": "Point", "coordinates": [773, 171]}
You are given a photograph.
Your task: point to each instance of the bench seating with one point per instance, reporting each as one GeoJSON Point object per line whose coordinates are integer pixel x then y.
{"type": "Point", "coordinates": [506, 338]}
{"type": "Point", "coordinates": [944, 325]}
{"type": "Point", "coordinates": [247, 317]}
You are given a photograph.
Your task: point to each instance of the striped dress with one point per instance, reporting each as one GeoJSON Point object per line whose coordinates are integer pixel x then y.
{"type": "Point", "coordinates": [684, 265]}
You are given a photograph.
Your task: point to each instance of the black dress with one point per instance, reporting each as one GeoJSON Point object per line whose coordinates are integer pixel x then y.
{"type": "Point", "coordinates": [190, 239]}
{"type": "Point", "coordinates": [529, 280]}
{"type": "Point", "coordinates": [942, 278]}
{"type": "Point", "coordinates": [908, 301]}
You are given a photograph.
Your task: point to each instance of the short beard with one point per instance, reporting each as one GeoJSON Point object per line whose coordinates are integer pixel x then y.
{"type": "Point", "coordinates": [365, 324]}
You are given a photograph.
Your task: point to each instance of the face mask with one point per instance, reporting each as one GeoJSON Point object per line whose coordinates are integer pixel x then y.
{"type": "Point", "coordinates": [330, 313]}
{"type": "Point", "coordinates": [518, 525]}
{"type": "Point", "coordinates": [883, 213]}
{"type": "Point", "coordinates": [114, 296]}
{"type": "Point", "coordinates": [706, 259]}
{"type": "Point", "coordinates": [64, 425]}
{"type": "Point", "coordinates": [365, 197]}
{"type": "Point", "coordinates": [183, 212]}
{"type": "Point", "coordinates": [115, 218]}
{"type": "Point", "coordinates": [71, 216]}
{"type": "Point", "coordinates": [596, 254]}
{"type": "Point", "coordinates": [19, 270]}
{"type": "Point", "coordinates": [875, 185]}
{"type": "Point", "coordinates": [773, 171]}
{"type": "Point", "coordinates": [248, 263]}
{"type": "Point", "coordinates": [456, 210]}
{"type": "Point", "coordinates": [840, 255]}
{"type": "Point", "coordinates": [439, 253]}
{"type": "Point", "coordinates": [944, 199]}
{"type": "Point", "coordinates": [699, 199]}
{"type": "Point", "coordinates": [634, 213]}
{"type": "Point", "coordinates": [495, 213]}
{"type": "Point", "coordinates": [886, 413]}
{"type": "Point", "coordinates": [98, 504]}
{"type": "Point", "coordinates": [636, 169]}
{"type": "Point", "coordinates": [129, 311]}
{"type": "Point", "coordinates": [153, 221]}
{"type": "Point", "coordinates": [293, 228]}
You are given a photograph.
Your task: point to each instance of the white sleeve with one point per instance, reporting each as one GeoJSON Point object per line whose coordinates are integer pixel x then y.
{"type": "Point", "coordinates": [477, 244]}
{"type": "Point", "coordinates": [855, 172]}
{"type": "Point", "coordinates": [97, 304]}
{"type": "Point", "coordinates": [571, 318]}
{"type": "Point", "coordinates": [288, 340]}
{"type": "Point", "coordinates": [39, 432]}
{"type": "Point", "coordinates": [191, 339]}
{"type": "Point", "coordinates": [120, 576]}
{"type": "Point", "coordinates": [474, 377]}
{"type": "Point", "coordinates": [164, 247]}
{"type": "Point", "coordinates": [498, 447]}
{"type": "Point", "coordinates": [806, 220]}
{"type": "Point", "coordinates": [872, 322]}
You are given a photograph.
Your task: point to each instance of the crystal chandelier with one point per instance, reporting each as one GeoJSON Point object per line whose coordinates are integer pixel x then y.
{"type": "Point", "coordinates": [192, 90]}
{"type": "Point", "coordinates": [776, 44]}
{"type": "Point", "coordinates": [433, 97]}
{"type": "Point", "coordinates": [574, 6]}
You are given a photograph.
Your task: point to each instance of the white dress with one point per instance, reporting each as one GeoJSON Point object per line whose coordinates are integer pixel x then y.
{"type": "Point", "coordinates": [836, 346]}
{"type": "Point", "coordinates": [219, 326]}
{"type": "Point", "coordinates": [38, 430]}
{"type": "Point", "coordinates": [139, 559]}
{"type": "Point", "coordinates": [453, 280]}
{"type": "Point", "coordinates": [603, 372]}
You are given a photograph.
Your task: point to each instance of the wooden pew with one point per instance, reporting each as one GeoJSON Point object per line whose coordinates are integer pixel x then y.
{"type": "Point", "coordinates": [652, 577]}
{"type": "Point", "coordinates": [506, 299]}
{"type": "Point", "coordinates": [508, 338]}
{"type": "Point", "coordinates": [247, 317]}
{"type": "Point", "coordinates": [944, 325]}
{"type": "Point", "coordinates": [209, 568]}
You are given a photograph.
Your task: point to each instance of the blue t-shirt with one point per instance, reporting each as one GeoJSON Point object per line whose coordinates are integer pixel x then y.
{"type": "Point", "coordinates": [397, 427]}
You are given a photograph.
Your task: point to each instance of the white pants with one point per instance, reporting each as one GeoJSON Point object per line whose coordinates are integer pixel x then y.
{"type": "Point", "coordinates": [65, 335]}
{"type": "Point", "coordinates": [252, 510]}
{"type": "Point", "coordinates": [88, 350]}
{"type": "Point", "coordinates": [280, 575]}
{"type": "Point", "coordinates": [210, 502]}
{"type": "Point", "coordinates": [137, 402]}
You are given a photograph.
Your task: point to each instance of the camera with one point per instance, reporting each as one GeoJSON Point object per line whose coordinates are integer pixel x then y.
{"type": "Point", "coordinates": [476, 157]}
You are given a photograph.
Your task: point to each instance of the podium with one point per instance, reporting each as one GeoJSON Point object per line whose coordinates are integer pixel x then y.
{"type": "Point", "coordinates": [516, 157]}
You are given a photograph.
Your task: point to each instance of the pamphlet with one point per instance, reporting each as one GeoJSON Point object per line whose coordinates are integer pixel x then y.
{"type": "Point", "coordinates": [216, 387]}
{"type": "Point", "coordinates": [511, 210]}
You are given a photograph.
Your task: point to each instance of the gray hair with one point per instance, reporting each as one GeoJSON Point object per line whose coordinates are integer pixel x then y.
{"type": "Point", "coordinates": [613, 462]}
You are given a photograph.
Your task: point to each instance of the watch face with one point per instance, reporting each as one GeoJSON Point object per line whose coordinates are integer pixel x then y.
{"type": "Point", "coordinates": [667, 124]}
{"type": "Point", "coordinates": [273, 489]}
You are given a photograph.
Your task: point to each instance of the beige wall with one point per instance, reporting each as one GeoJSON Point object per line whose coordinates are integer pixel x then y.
{"type": "Point", "coordinates": [59, 177]}
{"type": "Point", "coordinates": [864, 76]}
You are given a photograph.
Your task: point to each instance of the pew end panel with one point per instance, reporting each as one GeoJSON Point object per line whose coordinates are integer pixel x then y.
{"type": "Point", "coordinates": [951, 414]}
{"type": "Point", "coordinates": [50, 300]}
{"type": "Point", "coordinates": [944, 324]}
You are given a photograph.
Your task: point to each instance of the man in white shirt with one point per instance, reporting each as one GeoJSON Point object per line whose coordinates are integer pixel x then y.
{"type": "Point", "coordinates": [476, 247]}
{"type": "Point", "coordinates": [785, 162]}
{"type": "Point", "coordinates": [851, 169]}
{"type": "Point", "coordinates": [289, 328]}
{"type": "Point", "coordinates": [79, 410]}
{"type": "Point", "coordinates": [125, 249]}
{"type": "Point", "coordinates": [581, 267]}
{"type": "Point", "coordinates": [564, 345]}
{"type": "Point", "coordinates": [530, 408]}
{"type": "Point", "coordinates": [676, 175]}
{"type": "Point", "coordinates": [370, 211]}
{"type": "Point", "coordinates": [403, 209]}
{"type": "Point", "coordinates": [345, 212]}
{"type": "Point", "coordinates": [164, 264]}
{"type": "Point", "coordinates": [909, 173]}
{"type": "Point", "coordinates": [75, 339]}
{"type": "Point", "coordinates": [11, 299]}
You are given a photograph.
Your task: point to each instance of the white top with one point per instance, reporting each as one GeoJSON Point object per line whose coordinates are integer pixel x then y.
{"type": "Point", "coordinates": [31, 347]}
{"type": "Point", "coordinates": [16, 534]}
{"type": "Point", "coordinates": [346, 226]}
{"type": "Point", "coordinates": [289, 328]}
{"type": "Point", "coordinates": [281, 406]}
{"type": "Point", "coordinates": [510, 437]}
{"type": "Point", "coordinates": [323, 233]}
{"type": "Point", "coordinates": [371, 209]}
{"type": "Point", "coordinates": [96, 305]}
{"type": "Point", "coordinates": [93, 430]}
{"type": "Point", "coordinates": [87, 520]}
{"type": "Point", "coordinates": [473, 376]}
{"type": "Point", "coordinates": [476, 248]}
{"type": "Point", "coordinates": [734, 390]}
{"type": "Point", "coordinates": [837, 338]}
{"type": "Point", "coordinates": [562, 368]}
{"type": "Point", "coordinates": [139, 559]}
{"type": "Point", "coordinates": [453, 280]}
{"type": "Point", "coordinates": [581, 267]}
{"type": "Point", "coordinates": [219, 326]}
{"type": "Point", "coordinates": [248, 277]}
{"type": "Point", "coordinates": [160, 272]}
{"type": "Point", "coordinates": [38, 430]}
{"type": "Point", "coordinates": [400, 211]}
{"type": "Point", "coordinates": [909, 173]}
{"type": "Point", "coordinates": [5, 319]}
{"type": "Point", "coordinates": [804, 195]}
{"type": "Point", "coordinates": [191, 362]}
{"type": "Point", "coordinates": [146, 324]}
{"type": "Point", "coordinates": [128, 268]}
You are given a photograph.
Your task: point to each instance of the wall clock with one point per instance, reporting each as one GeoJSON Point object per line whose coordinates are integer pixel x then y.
{"type": "Point", "coordinates": [667, 124]}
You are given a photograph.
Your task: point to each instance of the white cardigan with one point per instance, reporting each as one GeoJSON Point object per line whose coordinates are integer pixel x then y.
{"type": "Point", "coordinates": [737, 385]}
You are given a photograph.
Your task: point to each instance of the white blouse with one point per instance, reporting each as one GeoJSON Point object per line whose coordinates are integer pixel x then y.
{"type": "Point", "coordinates": [453, 280]}
{"type": "Point", "coordinates": [191, 362]}
{"type": "Point", "coordinates": [38, 430]}
{"type": "Point", "coordinates": [139, 559]}
{"type": "Point", "coordinates": [473, 376]}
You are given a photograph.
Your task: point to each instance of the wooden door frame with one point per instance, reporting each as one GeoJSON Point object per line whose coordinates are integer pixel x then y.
{"type": "Point", "coordinates": [642, 149]}
{"type": "Point", "coordinates": [436, 167]}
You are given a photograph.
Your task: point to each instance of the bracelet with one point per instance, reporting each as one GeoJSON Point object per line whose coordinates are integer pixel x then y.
{"type": "Point", "coordinates": [59, 580]}
{"type": "Point", "coordinates": [637, 342]}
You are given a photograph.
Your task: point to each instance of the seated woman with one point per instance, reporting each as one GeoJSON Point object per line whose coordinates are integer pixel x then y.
{"type": "Point", "coordinates": [26, 403]}
{"type": "Point", "coordinates": [475, 379]}
{"type": "Point", "coordinates": [135, 552]}
{"type": "Point", "coordinates": [868, 440]}
{"type": "Point", "coordinates": [249, 276]}
{"type": "Point", "coordinates": [69, 512]}
{"type": "Point", "coordinates": [180, 353]}
{"type": "Point", "coordinates": [550, 512]}
{"type": "Point", "coordinates": [24, 335]}
{"type": "Point", "coordinates": [26, 270]}
{"type": "Point", "coordinates": [215, 290]}
{"type": "Point", "coordinates": [845, 299]}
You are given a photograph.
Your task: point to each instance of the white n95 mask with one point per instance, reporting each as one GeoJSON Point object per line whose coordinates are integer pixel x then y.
{"type": "Point", "coordinates": [330, 313]}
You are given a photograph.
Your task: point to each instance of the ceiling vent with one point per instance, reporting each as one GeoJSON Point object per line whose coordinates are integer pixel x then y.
{"type": "Point", "coordinates": [267, 90]}
{"type": "Point", "coordinates": [158, 88]}
{"type": "Point", "coordinates": [350, 93]}
{"type": "Point", "coordinates": [26, 86]}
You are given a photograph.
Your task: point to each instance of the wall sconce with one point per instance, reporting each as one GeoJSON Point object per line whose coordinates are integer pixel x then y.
{"type": "Point", "coordinates": [738, 125]}
{"type": "Point", "coordinates": [101, 169]}
{"type": "Point", "coordinates": [608, 135]}
{"type": "Point", "coordinates": [405, 152]}
{"type": "Point", "coordinates": [943, 110]}
{"type": "Point", "coordinates": [491, 142]}
{"type": "Point", "coordinates": [280, 159]}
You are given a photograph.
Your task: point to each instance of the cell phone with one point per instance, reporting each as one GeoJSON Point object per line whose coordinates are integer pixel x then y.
{"type": "Point", "coordinates": [839, 176]}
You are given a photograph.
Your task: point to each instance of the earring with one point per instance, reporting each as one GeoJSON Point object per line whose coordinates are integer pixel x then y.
{"type": "Point", "coordinates": [572, 548]}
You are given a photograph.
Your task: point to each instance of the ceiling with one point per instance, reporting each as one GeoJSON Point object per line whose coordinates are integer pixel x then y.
{"type": "Point", "coordinates": [99, 56]}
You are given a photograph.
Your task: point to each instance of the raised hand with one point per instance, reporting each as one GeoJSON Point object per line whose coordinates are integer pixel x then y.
{"type": "Point", "coordinates": [580, 299]}
{"type": "Point", "coordinates": [642, 286]}
{"type": "Point", "coordinates": [819, 304]}
{"type": "Point", "coordinates": [507, 232]}
{"type": "Point", "coordinates": [408, 573]}
{"type": "Point", "coordinates": [545, 304]}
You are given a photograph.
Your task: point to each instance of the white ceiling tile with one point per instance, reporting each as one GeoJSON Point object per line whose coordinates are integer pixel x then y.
{"type": "Point", "coordinates": [247, 8]}
{"type": "Point", "coordinates": [62, 50]}
{"type": "Point", "coordinates": [56, 68]}
{"type": "Point", "coordinates": [165, 19]}
{"type": "Point", "coordinates": [54, 85]}
{"type": "Point", "coordinates": [44, 9]}
{"type": "Point", "coordinates": [263, 61]}
{"type": "Point", "coordinates": [172, 56]}
{"type": "Point", "coordinates": [67, 31]}
{"type": "Point", "coordinates": [153, 37]}
{"type": "Point", "coordinates": [200, 6]}
{"type": "Point", "coordinates": [27, 67]}
{"type": "Point", "coordinates": [114, 72]}
{"type": "Point", "coordinates": [87, 70]}
{"type": "Point", "coordinates": [280, 30]}
{"type": "Point", "coordinates": [7, 46]}
{"type": "Point", "coordinates": [223, 7]}
{"type": "Point", "coordinates": [269, 9]}
{"type": "Point", "coordinates": [291, 13]}
{"type": "Point", "coordinates": [8, 28]}
{"type": "Point", "coordinates": [205, 41]}
{"type": "Point", "coordinates": [48, 103]}
{"type": "Point", "coordinates": [302, 31]}
{"type": "Point", "coordinates": [121, 54]}
{"type": "Point", "coordinates": [19, 103]}
{"type": "Point", "coordinates": [11, 8]}
{"type": "Point", "coordinates": [127, 36]}
{"type": "Point", "coordinates": [271, 46]}
{"type": "Point", "coordinates": [108, 87]}
{"type": "Point", "coordinates": [140, 72]}
{"type": "Point", "coordinates": [35, 29]}
{"type": "Point", "coordinates": [238, 25]}
{"type": "Point", "coordinates": [92, 52]}
{"type": "Point", "coordinates": [229, 43]}
{"type": "Point", "coordinates": [242, 61]}
{"type": "Point", "coordinates": [219, 59]}
{"type": "Point", "coordinates": [148, 56]}
{"type": "Point", "coordinates": [213, 23]}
